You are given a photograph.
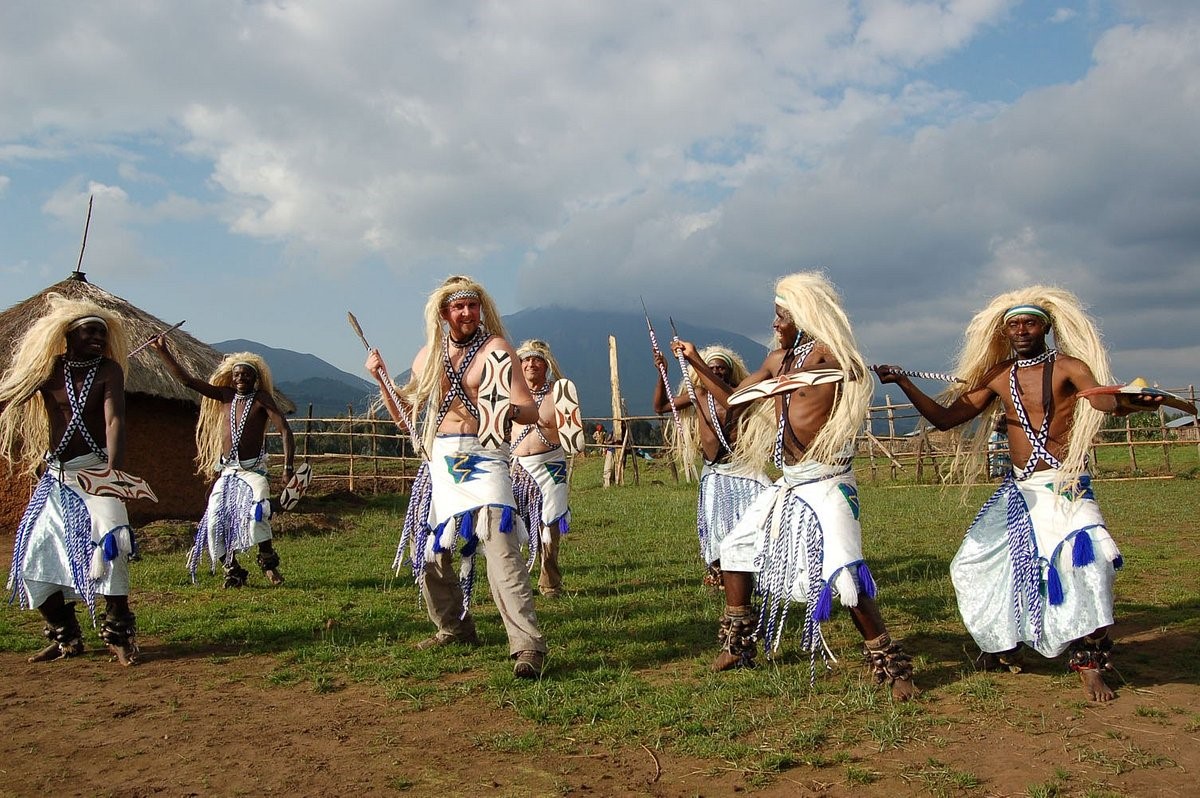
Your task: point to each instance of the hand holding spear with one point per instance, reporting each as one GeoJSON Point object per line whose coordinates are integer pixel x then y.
{"type": "Point", "coordinates": [394, 403]}
{"type": "Point", "coordinates": [662, 371]}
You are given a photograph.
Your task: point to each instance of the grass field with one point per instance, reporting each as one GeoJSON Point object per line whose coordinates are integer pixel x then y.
{"type": "Point", "coordinates": [631, 641]}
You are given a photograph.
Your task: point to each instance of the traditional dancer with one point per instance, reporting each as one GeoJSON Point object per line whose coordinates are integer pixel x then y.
{"type": "Point", "coordinates": [539, 469]}
{"type": "Point", "coordinates": [802, 536]}
{"type": "Point", "coordinates": [727, 487]}
{"type": "Point", "coordinates": [1018, 581]}
{"type": "Point", "coordinates": [66, 389]}
{"type": "Point", "coordinates": [238, 401]}
{"type": "Point", "coordinates": [466, 492]}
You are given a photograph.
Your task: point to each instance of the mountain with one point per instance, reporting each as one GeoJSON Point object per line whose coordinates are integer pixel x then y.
{"type": "Point", "coordinates": [579, 340]}
{"type": "Point", "coordinates": [306, 379]}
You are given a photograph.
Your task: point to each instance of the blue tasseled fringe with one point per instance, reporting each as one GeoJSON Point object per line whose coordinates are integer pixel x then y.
{"type": "Point", "coordinates": [506, 520]}
{"type": "Point", "coordinates": [438, 548]}
{"type": "Point", "coordinates": [866, 580]}
{"type": "Point", "coordinates": [824, 608]}
{"type": "Point", "coordinates": [109, 544]}
{"type": "Point", "coordinates": [564, 526]}
{"type": "Point", "coordinates": [1117, 563]}
{"type": "Point", "coordinates": [1082, 553]}
{"type": "Point", "coordinates": [1054, 588]}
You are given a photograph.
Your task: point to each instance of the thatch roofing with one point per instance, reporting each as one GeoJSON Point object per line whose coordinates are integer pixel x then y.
{"type": "Point", "coordinates": [146, 373]}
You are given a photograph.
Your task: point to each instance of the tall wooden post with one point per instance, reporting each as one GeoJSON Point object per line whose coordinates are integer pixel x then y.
{"type": "Point", "coordinates": [618, 424]}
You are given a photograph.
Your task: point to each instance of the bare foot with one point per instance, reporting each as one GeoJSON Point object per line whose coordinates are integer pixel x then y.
{"type": "Point", "coordinates": [904, 689]}
{"type": "Point", "coordinates": [1094, 686]}
{"type": "Point", "coordinates": [273, 576]}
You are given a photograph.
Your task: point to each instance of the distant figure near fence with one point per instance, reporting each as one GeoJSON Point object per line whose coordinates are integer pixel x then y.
{"type": "Point", "coordinates": [601, 437]}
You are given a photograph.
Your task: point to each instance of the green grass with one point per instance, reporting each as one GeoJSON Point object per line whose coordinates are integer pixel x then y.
{"type": "Point", "coordinates": [631, 641]}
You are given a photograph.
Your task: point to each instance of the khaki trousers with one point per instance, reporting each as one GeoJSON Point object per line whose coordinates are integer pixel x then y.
{"type": "Point", "coordinates": [507, 577]}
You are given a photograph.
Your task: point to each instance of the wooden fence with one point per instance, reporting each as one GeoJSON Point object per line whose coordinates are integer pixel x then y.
{"type": "Point", "coordinates": [366, 453]}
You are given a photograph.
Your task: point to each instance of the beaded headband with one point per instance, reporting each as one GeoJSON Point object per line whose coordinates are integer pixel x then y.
{"type": "Point", "coordinates": [247, 365]}
{"type": "Point", "coordinates": [1028, 310]}
{"type": "Point", "coordinates": [721, 356]}
{"type": "Point", "coordinates": [529, 352]}
{"type": "Point", "coordinates": [75, 325]}
{"type": "Point", "coordinates": [462, 293]}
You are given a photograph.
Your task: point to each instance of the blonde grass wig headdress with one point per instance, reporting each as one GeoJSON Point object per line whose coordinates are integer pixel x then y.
{"type": "Point", "coordinates": [424, 390]}
{"type": "Point", "coordinates": [535, 347]}
{"type": "Point", "coordinates": [24, 426]}
{"type": "Point", "coordinates": [985, 346]}
{"type": "Point", "coordinates": [211, 428]}
{"type": "Point", "coordinates": [817, 310]}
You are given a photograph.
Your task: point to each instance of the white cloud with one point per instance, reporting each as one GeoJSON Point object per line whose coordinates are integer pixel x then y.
{"type": "Point", "coordinates": [692, 151]}
{"type": "Point", "coordinates": [1062, 15]}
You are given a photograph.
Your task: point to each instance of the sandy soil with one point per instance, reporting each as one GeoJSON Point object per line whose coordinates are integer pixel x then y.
{"type": "Point", "coordinates": [200, 725]}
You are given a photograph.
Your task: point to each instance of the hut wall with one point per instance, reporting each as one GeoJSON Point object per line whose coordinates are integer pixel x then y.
{"type": "Point", "coordinates": [162, 450]}
{"type": "Point", "coordinates": [13, 498]}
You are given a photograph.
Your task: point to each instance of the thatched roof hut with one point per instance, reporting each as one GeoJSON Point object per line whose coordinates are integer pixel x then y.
{"type": "Point", "coordinates": [161, 413]}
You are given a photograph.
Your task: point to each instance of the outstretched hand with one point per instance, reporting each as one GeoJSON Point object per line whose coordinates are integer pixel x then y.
{"type": "Point", "coordinates": [888, 375]}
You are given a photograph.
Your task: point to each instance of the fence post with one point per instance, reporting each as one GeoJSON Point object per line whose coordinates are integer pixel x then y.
{"type": "Point", "coordinates": [891, 422]}
{"type": "Point", "coordinates": [350, 439]}
{"type": "Point", "coordinates": [374, 458]}
{"type": "Point", "coordinates": [1129, 443]}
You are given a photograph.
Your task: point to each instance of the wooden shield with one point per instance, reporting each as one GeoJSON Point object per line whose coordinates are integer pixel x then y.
{"type": "Point", "coordinates": [495, 388]}
{"type": "Point", "coordinates": [296, 487]}
{"type": "Point", "coordinates": [785, 384]}
{"type": "Point", "coordinates": [106, 481]}
{"type": "Point", "coordinates": [566, 415]}
{"type": "Point", "coordinates": [1127, 393]}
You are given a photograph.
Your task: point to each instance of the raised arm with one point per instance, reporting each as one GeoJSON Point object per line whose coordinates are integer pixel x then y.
{"type": "Point", "coordinates": [201, 387]}
{"type": "Point", "coordinates": [712, 383]}
{"type": "Point", "coordinates": [522, 408]}
{"type": "Point", "coordinates": [960, 411]}
{"type": "Point", "coordinates": [661, 403]}
{"type": "Point", "coordinates": [1082, 379]}
{"type": "Point", "coordinates": [376, 368]}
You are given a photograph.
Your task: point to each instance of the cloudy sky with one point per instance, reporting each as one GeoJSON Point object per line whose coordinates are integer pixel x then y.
{"type": "Point", "coordinates": [260, 168]}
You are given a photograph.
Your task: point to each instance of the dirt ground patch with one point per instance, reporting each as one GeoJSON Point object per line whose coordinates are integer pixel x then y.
{"type": "Point", "coordinates": [193, 724]}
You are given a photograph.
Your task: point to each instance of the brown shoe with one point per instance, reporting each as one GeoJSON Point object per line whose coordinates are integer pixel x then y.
{"type": "Point", "coordinates": [529, 664]}
{"type": "Point", "coordinates": [439, 640]}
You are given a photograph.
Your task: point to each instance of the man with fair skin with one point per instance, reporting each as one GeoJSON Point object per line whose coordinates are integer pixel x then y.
{"type": "Point", "coordinates": [1028, 573]}
{"type": "Point", "coordinates": [66, 389]}
{"type": "Point", "coordinates": [539, 469]}
{"type": "Point", "coordinates": [726, 487]}
{"type": "Point", "coordinates": [802, 536]}
{"type": "Point", "coordinates": [470, 497]}
{"type": "Point", "coordinates": [237, 405]}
